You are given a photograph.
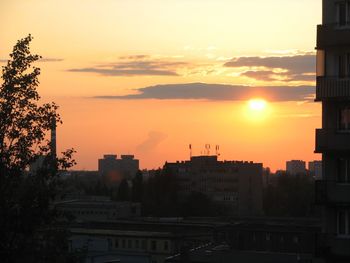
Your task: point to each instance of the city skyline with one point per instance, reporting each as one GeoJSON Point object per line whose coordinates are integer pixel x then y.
{"type": "Point", "coordinates": [175, 73]}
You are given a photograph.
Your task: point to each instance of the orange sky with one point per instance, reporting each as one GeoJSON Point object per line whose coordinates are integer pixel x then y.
{"type": "Point", "coordinates": [113, 48]}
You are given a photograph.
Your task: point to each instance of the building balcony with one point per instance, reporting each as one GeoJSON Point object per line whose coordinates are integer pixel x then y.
{"type": "Point", "coordinates": [332, 193]}
{"type": "Point", "coordinates": [332, 35]}
{"type": "Point", "coordinates": [332, 88]}
{"type": "Point", "coordinates": [332, 141]}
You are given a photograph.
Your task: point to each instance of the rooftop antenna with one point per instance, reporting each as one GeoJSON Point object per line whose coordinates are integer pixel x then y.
{"type": "Point", "coordinates": [190, 147]}
{"type": "Point", "coordinates": [217, 148]}
{"type": "Point", "coordinates": [207, 149]}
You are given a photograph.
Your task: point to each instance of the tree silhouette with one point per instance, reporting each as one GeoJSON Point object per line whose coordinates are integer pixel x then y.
{"type": "Point", "coordinates": [25, 198]}
{"type": "Point", "coordinates": [137, 187]}
{"type": "Point", "coordinates": [123, 191]}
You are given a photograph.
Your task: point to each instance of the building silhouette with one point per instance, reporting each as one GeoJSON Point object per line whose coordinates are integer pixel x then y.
{"type": "Point", "coordinates": [234, 184]}
{"type": "Point", "coordinates": [315, 169]}
{"type": "Point", "coordinates": [333, 140]}
{"type": "Point", "coordinates": [118, 169]}
{"type": "Point", "coordinates": [295, 167]}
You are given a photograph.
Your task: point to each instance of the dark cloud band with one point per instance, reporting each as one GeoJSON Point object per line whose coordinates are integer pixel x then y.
{"type": "Point", "coordinates": [219, 92]}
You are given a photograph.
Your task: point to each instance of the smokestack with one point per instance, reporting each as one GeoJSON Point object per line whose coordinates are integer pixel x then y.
{"type": "Point", "coordinates": [53, 148]}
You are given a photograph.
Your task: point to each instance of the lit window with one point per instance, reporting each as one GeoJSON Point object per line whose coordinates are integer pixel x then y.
{"type": "Point", "coordinates": [344, 118]}
{"type": "Point", "coordinates": [320, 63]}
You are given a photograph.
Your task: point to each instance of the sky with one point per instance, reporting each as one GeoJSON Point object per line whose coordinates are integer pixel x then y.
{"type": "Point", "coordinates": [150, 77]}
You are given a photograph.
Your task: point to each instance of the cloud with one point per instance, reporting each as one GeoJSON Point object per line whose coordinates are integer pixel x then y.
{"type": "Point", "coordinates": [138, 65]}
{"type": "Point", "coordinates": [287, 68]}
{"type": "Point", "coordinates": [219, 92]}
{"type": "Point", "coordinates": [269, 75]}
{"type": "Point", "coordinates": [153, 140]}
{"type": "Point", "coordinates": [265, 75]}
{"type": "Point", "coordinates": [51, 59]}
{"type": "Point", "coordinates": [44, 59]}
{"type": "Point", "coordinates": [126, 72]}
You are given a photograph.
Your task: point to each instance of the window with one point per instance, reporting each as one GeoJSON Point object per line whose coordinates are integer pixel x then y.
{"type": "Point", "coordinates": [344, 118]}
{"type": "Point", "coordinates": [116, 243]}
{"type": "Point", "coordinates": [342, 16]}
{"type": "Point", "coordinates": [320, 63]}
{"type": "Point", "coordinates": [343, 223]}
{"type": "Point", "coordinates": [123, 243]}
{"type": "Point", "coordinates": [343, 175]}
{"type": "Point", "coordinates": [296, 239]}
{"type": "Point", "coordinates": [154, 245]}
{"type": "Point", "coordinates": [341, 66]}
{"type": "Point", "coordinates": [129, 243]}
{"type": "Point", "coordinates": [137, 243]}
{"type": "Point", "coordinates": [144, 244]}
{"type": "Point", "coordinates": [166, 245]}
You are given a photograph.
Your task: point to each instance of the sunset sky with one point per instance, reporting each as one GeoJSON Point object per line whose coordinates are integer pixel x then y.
{"type": "Point", "coordinates": [150, 77]}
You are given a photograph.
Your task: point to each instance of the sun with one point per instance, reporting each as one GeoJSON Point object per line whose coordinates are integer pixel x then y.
{"type": "Point", "coordinates": [257, 105]}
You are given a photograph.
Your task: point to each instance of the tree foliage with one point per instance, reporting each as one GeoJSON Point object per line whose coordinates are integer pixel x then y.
{"type": "Point", "coordinates": [291, 196]}
{"type": "Point", "coordinates": [25, 198]}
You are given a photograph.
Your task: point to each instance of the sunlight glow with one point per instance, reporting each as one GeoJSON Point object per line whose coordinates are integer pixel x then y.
{"type": "Point", "coordinates": [257, 104]}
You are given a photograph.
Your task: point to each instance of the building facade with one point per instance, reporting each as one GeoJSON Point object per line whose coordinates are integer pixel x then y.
{"type": "Point", "coordinates": [99, 209]}
{"type": "Point", "coordinates": [235, 184]}
{"type": "Point", "coordinates": [118, 169]}
{"type": "Point", "coordinates": [333, 140]}
{"type": "Point", "coordinates": [140, 240]}
{"type": "Point", "coordinates": [295, 167]}
{"type": "Point", "coordinates": [315, 169]}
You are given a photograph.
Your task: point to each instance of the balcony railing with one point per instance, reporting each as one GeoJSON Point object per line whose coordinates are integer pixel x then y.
{"type": "Point", "coordinates": [330, 140]}
{"type": "Point", "coordinates": [332, 88]}
{"type": "Point", "coordinates": [329, 244]}
{"type": "Point", "coordinates": [331, 193]}
{"type": "Point", "coordinates": [333, 35]}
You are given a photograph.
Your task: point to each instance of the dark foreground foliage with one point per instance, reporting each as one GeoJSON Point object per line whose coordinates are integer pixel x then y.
{"type": "Point", "coordinates": [29, 232]}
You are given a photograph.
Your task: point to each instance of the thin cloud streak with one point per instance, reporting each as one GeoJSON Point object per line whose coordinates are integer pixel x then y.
{"type": "Point", "coordinates": [44, 59]}
{"type": "Point", "coordinates": [136, 65]}
{"type": "Point", "coordinates": [125, 72]}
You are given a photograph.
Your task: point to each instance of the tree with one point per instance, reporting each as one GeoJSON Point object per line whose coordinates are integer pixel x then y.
{"type": "Point", "coordinates": [123, 191]}
{"type": "Point", "coordinates": [25, 198]}
{"type": "Point", "coordinates": [137, 187]}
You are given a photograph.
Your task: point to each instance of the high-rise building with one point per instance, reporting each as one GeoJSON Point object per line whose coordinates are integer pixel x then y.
{"type": "Point", "coordinates": [315, 169]}
{"type": "Point", "coordinates": [118, 169]}
{"type": "Point", "coordinates": [295, 167]}
{"type": "Point", "coordinates": [236, 185]}
{"type": "Point", "coordinates": [333, 140]}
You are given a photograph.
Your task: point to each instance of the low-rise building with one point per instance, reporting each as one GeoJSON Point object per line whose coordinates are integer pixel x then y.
{"type": "Point", "coordinates": [100, 209]}
{"type": "Point", "coordinates": [140, 240]}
